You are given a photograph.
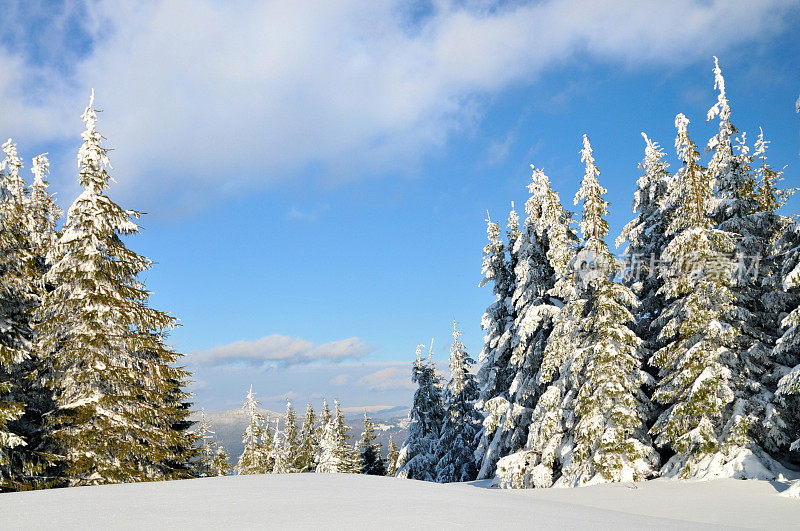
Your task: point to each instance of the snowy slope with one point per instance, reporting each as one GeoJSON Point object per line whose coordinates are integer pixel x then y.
{"type": "Point", "coordinates": [313, 501]}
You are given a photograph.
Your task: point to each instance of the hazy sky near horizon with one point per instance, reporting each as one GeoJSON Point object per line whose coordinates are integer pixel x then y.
{"type": "Point", "coordinates": [317, 174]}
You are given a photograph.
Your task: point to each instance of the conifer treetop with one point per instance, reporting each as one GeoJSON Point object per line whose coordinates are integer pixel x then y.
{"type": "Point", "coordinates": [13, 183]}
{"type": "Point", "coordinates": [593, 224]}
{"type": "Point", "coordinates": [92, 157]}
{"type": "Point", "coordinates": [722, 107]}
{"type": "Point", "coordinates": [690, 182]}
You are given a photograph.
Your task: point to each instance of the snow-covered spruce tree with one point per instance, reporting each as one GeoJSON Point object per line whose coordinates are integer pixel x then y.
{"type": "Point", "coordinates": [544, 250]}
{"type": "Point", "coordinates": [309, 444]}
{"type": "Point", "coordinates": [746, 208]}
{"type": "Point", "coordinates": [253, 458]}
{"type": "Point", "coordinates": [277, 455]}
{"type": "Point", "coordinates": [324, 419]}
{"type": "Point", "coordinates": [417, 457]}
{"type": "Point", "coordinates": [705, 421]}
{"type": "Point", "coordinates": [42, 212]}
{"type": "Point", "coordinates": [268, 448]}
{"type": "Point", "coordinates": [207, 454]}
{"type": "Point", "coordinates": [291, 442]}
{"type": "Point", "coordinates": [609, 435]}
{"type": "Point", "coordinates": [16, 302]}
{"type": "Point", "coordinates": [646, 236]}
{"type": "Point", "coordinates": [337, 454]}
{"type": "Point", "coordinates": [391, 458]}
{"type": "Point", "coordinates": [118, 394]}
{"type": "Point", "coordinates": [28, 463]}
{"type": "Point", "coordinates": [782, 420]}
{"type": "Point", "coordinates": [589, 425]}
{"type": "Point", "coordinates": [496, 374]}
{"type": "Point", "coordinates": [220, 465]}
{"type": "Point", "coordinates": [786, 418]}
{"type": "Point", "coordinates": [370, 453]}
{"type": "Point", "coordinates": [455, 451]}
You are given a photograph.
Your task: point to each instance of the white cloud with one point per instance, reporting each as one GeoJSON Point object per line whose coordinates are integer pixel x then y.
{"type": "Point", "coordinates": [279, 349]}
{"type": "Point", "coordinates": [199, 94]}
{"type": "Point", "coordinates": [388, 378]}
{"type": "Point", "coordinates": [287, 396]}
{"type": "Point", "coordinates": [341, 379]}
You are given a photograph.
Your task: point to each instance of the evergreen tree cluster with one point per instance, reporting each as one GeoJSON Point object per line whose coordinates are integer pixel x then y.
{"type": "Point", "coordinates": [90, 392]}
{"type": "Point", "coordinates": [320, 444]}
{"type": "Point", "coordinates": [444, 422]}
{"type": "Point", "coordinates": [681, 358]}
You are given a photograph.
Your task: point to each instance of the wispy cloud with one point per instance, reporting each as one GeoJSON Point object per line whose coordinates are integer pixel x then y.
{"type": "Point", "coordinates": [279, 349]}
{"type": "Point", "coordinates": [202, 96]}
{"type": "Point", "coordinates": [388, 378]}
{"type": "Point", "coordinates": [341, 379]}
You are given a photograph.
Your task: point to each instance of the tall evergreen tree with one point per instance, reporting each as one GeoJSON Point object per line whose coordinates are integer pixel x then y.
{"type": "Point", "coordinates": [417, 456]}
{"type": "Point", "coordinates": [391, 458]}
{"type": "Point", "coordinates": [545, 249]}
{"type": "Point", "coordinates": [278, 457]}
{"type": "Point", "coordinates": [783, 416]}
{"type": "Point", "coordinates": [220, 465]}
{"type": "Point", "coordinates": [291, 442]}
{"type": "Point", "coordinates": [589, 424]}
{"type": "Point", "coordinates": [455, 451]}
{"type": "Point", "coordinates": [117, 391]}
{"type": "Point", "coordinates": [309, 444]}
{"type": "Point", "coordinates": [370, 453]}
{"type": "Point", "coordinates": [16, 302]}
{"type": "Point", "coordinates": [698, 366]}
{"type": "Point", "coordinates": [253, 458]}
{"type": "Point", "coordinates": [324, 419]}
{"type": "Point", "coordinates": [337, 454]}
{"type": "Point", "coordinates": [610, 408]}
{"type": "Point", "coordinates": [746, 209]}
{"type": "Point", "coordinates": [33, 460]}
{"type": "Point", "coordinates": [42, 211]}
{"type": "Point", "coordinates": [646, 236]}
{"type": "Point", "coordinates": [205, 435]}
{"type": "Point", "coordinates": [496, 374]}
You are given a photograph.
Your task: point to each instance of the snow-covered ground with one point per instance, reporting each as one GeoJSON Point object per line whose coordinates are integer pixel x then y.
{"type": "Point", "coordinates": [314, 501]}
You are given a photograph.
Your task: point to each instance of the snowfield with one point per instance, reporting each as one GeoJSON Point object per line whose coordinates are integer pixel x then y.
{"type": "Point", "coordinates": [314, 501]}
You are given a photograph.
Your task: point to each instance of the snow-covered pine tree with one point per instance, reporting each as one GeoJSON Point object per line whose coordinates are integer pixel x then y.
{"type": "Point", "coordinates": [42, 211]}
{"type": "Point", "coordinates": [205, 435]}
{"type": "Point", "coordinates": [455, 451]}
{"type": "Point", "coordinates": [746, 209]}
{"type": "Point", "coordinates": [268, 447]}
{"type": "Point", "coordinates": [253, 458]}
{"type": "Point", "coordinates": [16, 302]}
{"type": "Point", "coordinates": [278, 455]}
{"type": "Point", "coordinates": [309, 444]}
{"type": "Point", "coordinates": [545, 249]}
{"type": "Point", "coordinates": [786, 418]}
{"type": "Point", "coordinates": [391, 458]}
{"type": "Point", "coordinates": [609, 436]}
{"type": "Point", "coordinates": [496, 374]}
{"type": "Point", "coordinates": [699, 372]}
{"type": "Point", "coordinates": [291, 442]}
{"type": "Point", "coordinates": [589, 425]}
{"type": "Point", "coordinates": [370, 453]}
{"type": "Point", "coordinates": [646, 236]}
{"type": "Point", "coordinates": [337, 454]}
{"type": "Point", "coordinates": [118, 393]}
{"type": "Point", "coordinates": [417, 456]}
{"type": "Point", "coordinates": [220, 466]}
{"type": "Point", "coordinates": [781, 423]}
{"type": "Point", "coordinates": [324, 419]}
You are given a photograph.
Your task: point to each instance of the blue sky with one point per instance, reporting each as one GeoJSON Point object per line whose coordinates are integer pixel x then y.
{"type": "Point", "coordinates": [317, 175]}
